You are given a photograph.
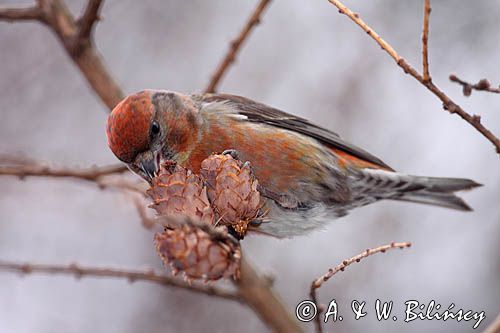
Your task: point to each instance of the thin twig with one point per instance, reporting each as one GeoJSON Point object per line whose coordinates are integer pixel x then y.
{"type": "Point", "coordinates": [235, 46]}
{"type": "Point", "coordinates": [88, 19]}
{"type": "Point", "coordinates": [26, 13]}
{"type": "Point", "coordinates": [105, 180]}
{"type": "Point", "coordinates": [425, 39]}
{"type": "Point", "coordinates": [23, 170]}
{"type": "Point", "coordinates": [123, 184]}
{"type": "Point", "coordinates": [147, 221]}
{"type": "Point", "coordinates": [481, 85]}
{"type": "Point", "coordinates": [75, 37]}
{"type": "Point", "coordinates": [130, 275]}
{"type": "Point", "coordinates": [316, 284]}
{"type": "Point", "coordinates": [448, 104]}
{"type": "Point", "coordinates": [103, 176]}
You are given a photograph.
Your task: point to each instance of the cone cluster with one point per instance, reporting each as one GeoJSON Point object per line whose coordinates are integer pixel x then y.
{"type": "Point", "coordinates": [223, 197]}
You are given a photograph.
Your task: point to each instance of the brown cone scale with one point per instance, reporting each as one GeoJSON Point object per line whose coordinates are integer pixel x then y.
{"type": "Point", "coordinates": [232, 190]}
{"type": "Point", "coordinates": [197, 254]}
{"type": "Point", "coordinates": [180, 192]}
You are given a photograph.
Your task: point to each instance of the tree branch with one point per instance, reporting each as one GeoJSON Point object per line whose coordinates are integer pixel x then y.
{"type": "Point", "coordinates": [253, 289]}
{"type": "Point", "coordinates": [26, 13]}
{"type": "Point", "coordinates": [425, 39]}
{"type": "Point", "coordinates": [88, 19]}
{"type": "Point", "coordinates": [147, 222]}
{"type": "Point", "coordinates": [316, 284]}
{"type": "Point", "coordinates": [481, 85]}
{"type": "Point", "coordinates": [256, 292]}
{"type": "Point", "coordinates": [22, 168]}
{"type": "Point", "coordinates": [89, 174]}
{"type": "Point", "coordinates": [132, 276]}
{"type": "Point", "coordinates": [235, 46]}
{"type": "Point", "coordinates": [75, 37]}
{"type": "Point", "coordinates": [448, 104]}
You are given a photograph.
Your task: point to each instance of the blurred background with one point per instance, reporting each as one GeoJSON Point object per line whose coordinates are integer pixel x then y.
{"type": "Point", "coordinates": [305, 59]}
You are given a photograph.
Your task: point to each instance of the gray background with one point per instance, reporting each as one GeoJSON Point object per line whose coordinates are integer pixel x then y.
{"type": "Point", "coordinates": [306, 59]}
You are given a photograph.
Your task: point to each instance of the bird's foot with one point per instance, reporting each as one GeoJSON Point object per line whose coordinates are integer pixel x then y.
{"type": "Point", "coordinates": [233, 153]}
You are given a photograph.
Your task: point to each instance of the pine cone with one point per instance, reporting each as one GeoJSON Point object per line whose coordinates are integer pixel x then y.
{"type": "Point", "coordinates": [177, 191]}
{"type": "Point", "coordinates": [198, 254]}
{"type": "Point", "coordinates": [232, 190]}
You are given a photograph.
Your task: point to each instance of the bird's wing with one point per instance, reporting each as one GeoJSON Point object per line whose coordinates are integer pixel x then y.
{"type": "Point", "coordinates": [260, 113]}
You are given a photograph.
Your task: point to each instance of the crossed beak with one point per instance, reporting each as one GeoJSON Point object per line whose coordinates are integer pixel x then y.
{"type": "Point", "coordinates": [150, 165]}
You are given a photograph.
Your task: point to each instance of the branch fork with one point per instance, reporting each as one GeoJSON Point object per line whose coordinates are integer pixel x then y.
{"type": "Point", "coordinates": [425, 78]}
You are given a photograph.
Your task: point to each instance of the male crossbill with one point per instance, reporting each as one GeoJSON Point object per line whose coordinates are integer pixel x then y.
{"type": "Point", "coordinates": [308, 174]}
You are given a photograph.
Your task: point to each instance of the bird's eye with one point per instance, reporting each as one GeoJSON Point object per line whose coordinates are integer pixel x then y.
{"type": "Point", "coordinates": [155, 129]}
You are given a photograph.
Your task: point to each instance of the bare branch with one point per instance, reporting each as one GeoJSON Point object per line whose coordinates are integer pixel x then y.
{"type": "Point", "coordinates": [26, 13]}
{"type": "Point", "coordinates": [256, 292]}
{"type": "Point", "coordinates": [102, 176]}
{"type": "Point", "coordinates": [132, 276]}
{"type": "Point", "coordinates": [90, 174]}
{"type": "Point", "coordinates": [87, 21]}
{"type": "Point", "coordinates": [75, 37]}
{"type": "Point", "coordinates": [253, 289]}
{"type": "Point", "coordinates": [425, 39]}
{"type": "Point", "coordinates": [448, 104]}
{"type": "Point", "coordinates": [147, 221]}
{"type": "Point", "coordinates": [27, 168]}
{"type": "Point", "coordinates": [123, 184]}
{"type": "Point", "coordinates": [235, 46]}
{"type": "Point", "coordinates": [481, 85]}
{"type": "Point", "coordinates": [316, 284]}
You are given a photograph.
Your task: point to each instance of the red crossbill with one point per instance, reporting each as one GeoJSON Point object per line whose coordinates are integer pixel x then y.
{"type": "Point", "coordinates": [308, 174]}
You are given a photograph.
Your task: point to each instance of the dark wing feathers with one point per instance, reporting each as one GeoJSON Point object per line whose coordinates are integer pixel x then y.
{"type": "Point", "coordinates": [260, 113]}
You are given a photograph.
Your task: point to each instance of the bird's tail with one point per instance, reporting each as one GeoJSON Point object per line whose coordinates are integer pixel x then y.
{"type": "Point", "coordinates": [427, 190]}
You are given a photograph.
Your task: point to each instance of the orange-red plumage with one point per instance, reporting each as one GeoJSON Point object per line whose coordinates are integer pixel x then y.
{"type": "Point", "coordinates": [128, 126]}
{"type": "Point", "coordinates": [348, 160]}
{"type": "Point", "coordinates": [261, 146]}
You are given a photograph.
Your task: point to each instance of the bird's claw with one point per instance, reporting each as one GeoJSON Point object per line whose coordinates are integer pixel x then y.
{"type": "Point", "coordinates": [233, 153]}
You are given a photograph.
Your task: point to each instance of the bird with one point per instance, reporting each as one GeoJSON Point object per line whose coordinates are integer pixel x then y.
{"type": "Point", "coordinates": [308, 175]}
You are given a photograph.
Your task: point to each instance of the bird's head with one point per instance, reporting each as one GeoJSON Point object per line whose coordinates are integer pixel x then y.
{"type": "Point", "coordinates": [150, 126]}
